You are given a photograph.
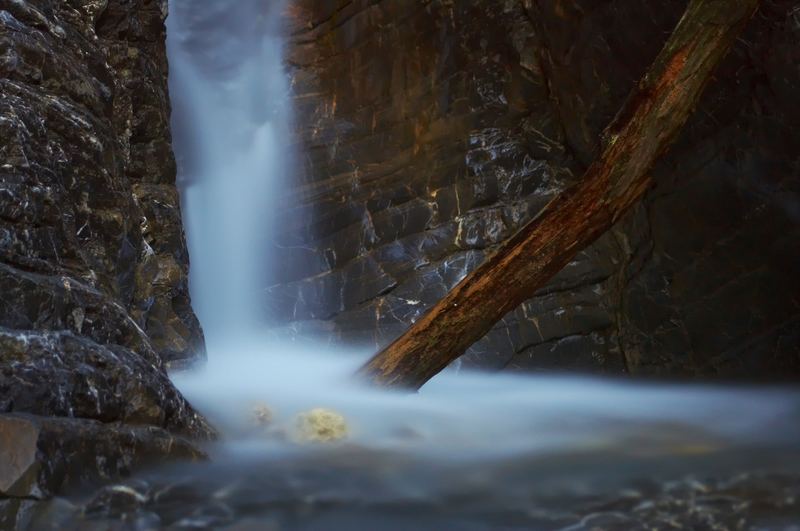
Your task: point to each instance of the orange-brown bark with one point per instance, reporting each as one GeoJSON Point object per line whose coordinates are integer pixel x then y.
{"type": "Point", "coordinates": [652, 117]}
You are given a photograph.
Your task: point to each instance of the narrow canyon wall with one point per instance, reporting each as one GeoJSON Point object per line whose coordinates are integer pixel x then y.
{"type": "Point", "coordinates": [93, 266]}
{"type": "Point", "coordinates": [432, 130]}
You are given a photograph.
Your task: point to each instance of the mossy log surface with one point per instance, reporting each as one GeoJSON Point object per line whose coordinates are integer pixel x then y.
{"type": "Point", "coordinates": [642, 131]}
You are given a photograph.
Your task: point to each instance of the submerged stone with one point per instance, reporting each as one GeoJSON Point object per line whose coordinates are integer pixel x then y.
{"type": "Point", "coordinates": [66, 375]}
{"type": "Point", "coordinates": [320, 425]}
{"type": "Point", "coordinates": [261, 415]}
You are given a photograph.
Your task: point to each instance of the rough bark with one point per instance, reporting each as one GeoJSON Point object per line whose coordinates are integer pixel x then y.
{"type": "Point", "coordinates": [642, 131]}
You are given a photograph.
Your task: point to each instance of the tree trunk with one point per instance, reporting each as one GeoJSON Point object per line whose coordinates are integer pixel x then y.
{"type": "Point", "coordinates": [651, 118]}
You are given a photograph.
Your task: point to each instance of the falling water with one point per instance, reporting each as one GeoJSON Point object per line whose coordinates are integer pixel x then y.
{"type": "Point", "coordinates": [465, 435]}
{"type": "Point", "coordinates": [230, 122]}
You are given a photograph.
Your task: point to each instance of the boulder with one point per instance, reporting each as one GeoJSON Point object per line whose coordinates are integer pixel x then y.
{"type": "Point", "coordinates": [41, 456]}
{"type": "Point", "coordinates": [65, 375]}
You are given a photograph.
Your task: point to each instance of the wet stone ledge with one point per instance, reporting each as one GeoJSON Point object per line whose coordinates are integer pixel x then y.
{"type": "Point", "coordinates": [43, 456]}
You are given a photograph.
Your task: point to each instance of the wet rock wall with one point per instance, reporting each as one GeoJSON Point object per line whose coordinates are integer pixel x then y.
{"type": "Point", "coordinates": [429, 131]}
{"type": "Point", "coordinates": [93, 266]}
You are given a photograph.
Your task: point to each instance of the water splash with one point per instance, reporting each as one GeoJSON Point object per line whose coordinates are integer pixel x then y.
{"type": "Point", "coordinates": [468, 416]}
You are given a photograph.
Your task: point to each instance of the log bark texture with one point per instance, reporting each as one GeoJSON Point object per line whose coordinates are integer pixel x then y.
{"type": "Point", "coordinates": [645, 127]}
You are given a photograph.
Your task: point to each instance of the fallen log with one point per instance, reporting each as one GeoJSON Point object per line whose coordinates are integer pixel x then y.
{"type": "Point", "coordinates": [647, 124]}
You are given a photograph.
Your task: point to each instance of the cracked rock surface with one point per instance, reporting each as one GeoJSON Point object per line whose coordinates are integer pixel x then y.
{"type": "Point", "coordinates": [431, 131]}
{"type": "Point", "coordinates": [94, 299]}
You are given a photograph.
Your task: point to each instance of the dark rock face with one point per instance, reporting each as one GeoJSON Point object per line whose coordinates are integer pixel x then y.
{"type": "Point", "coordinates": [42, 456]}
{"type": "Point", "coordinates": [433, 130]}
{"type": "Point", "coordinates": [91, 234]}
{"type": "Point", "coordinates": [64, 375]}
{"type": "Point", "coordinates": [93, 266]}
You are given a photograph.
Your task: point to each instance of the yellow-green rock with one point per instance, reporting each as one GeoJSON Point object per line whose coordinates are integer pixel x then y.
{"type": "Point", "coordinates": [320, 425]}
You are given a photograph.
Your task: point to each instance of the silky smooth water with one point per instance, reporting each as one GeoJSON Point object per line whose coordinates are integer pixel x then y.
{"type": "Point", "coordinates": [471, 450]}
{"type": "Point", "coordinates": [230, 127]}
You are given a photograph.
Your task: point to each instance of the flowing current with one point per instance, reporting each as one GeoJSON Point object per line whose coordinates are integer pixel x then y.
{"type": "Point", "coordinates": [471, 450]}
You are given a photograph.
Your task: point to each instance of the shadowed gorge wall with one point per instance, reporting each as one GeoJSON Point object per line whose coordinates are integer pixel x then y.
{"type": "Point", "coordinates": [89, 204]}
{"type": "Point", "coordinates": [93, 266]}
{"type": "Point", "coordinates": [431, 131]}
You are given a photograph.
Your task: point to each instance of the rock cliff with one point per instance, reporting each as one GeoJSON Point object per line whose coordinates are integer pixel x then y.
{"type": "Point", "coordinates": [432, 130]}
{"type": "Point", "coordinates": [93, 266]}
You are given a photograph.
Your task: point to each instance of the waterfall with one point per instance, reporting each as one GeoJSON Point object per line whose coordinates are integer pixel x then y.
{"type": "Point", "coordinates": [230, 124]}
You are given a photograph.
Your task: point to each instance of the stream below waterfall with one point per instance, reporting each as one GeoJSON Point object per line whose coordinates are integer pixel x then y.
{"type": "Point", "coordinates": [471, 451]}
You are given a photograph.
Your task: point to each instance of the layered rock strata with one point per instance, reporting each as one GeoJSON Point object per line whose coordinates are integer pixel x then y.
{"type": "Point", "coordinates": [93, 266]}
{"type": "Point", "coordinates": [430, 131]}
